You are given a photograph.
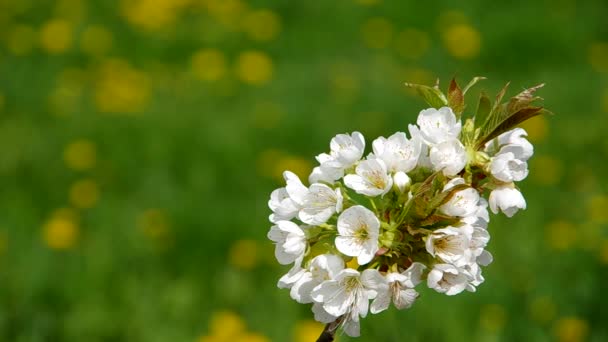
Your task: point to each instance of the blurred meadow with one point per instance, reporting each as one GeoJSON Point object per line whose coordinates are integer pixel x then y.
{"type": "Point", "coordinates": [140, 140]}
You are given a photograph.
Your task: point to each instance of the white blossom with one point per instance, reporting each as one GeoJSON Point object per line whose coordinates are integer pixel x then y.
{"type": "Point", "coordinates": [438, 125]}
{"type": "Point", "coordinates": [347, 294]}
{"type": "Point", "coordinates": [448, 279]}
{"type": "Point", "coordinates": [319, 204]}
{"type": "Point", "coordinates": [513, 141]}
{"type": "Point", "coordinates": [424, 160]}
{"type": "Point", "coordinates": [358, 231]}
{"type": "Point", "coordinates": [282, 206]}
{"type": "Point", "coordinates": [371, 178]}
{"type": "Point", "coordinates": [322, 267]}
{"type": "Point", "coordinates": [507, 168]}
{"type": "Point", "coordinates": [325, 173]}
{"type": "Point", "coordinates": [451, 244]}
{"type": "Point", "coordinates": [507, 199]}
{"type": "Point", "coordinates": [448, 156]}
{"type": "Point", "coordinates": [397, 152]}
{"type": "Point", "coordinates": [395, 287]}
{"type": "Point", "coordinates": [346, 150]}
{"type": "Point", "coordinates": [295, 189]}
{"type": "Point", "coordinates": [401, 181]}
{"type": "Point", "coordinates": [463, 203]}
{"type": "Point", "coordinates": [290, 241]}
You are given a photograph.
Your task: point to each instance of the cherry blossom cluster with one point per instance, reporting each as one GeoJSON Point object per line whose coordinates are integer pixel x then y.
{"type": "Point", "coordinates": [370, 228]}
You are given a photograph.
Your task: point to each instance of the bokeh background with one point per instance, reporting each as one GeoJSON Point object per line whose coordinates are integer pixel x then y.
{"type": "Point", "coordinates": [140, 140]}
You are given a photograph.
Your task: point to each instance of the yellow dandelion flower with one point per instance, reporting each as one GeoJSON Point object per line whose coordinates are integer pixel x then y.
{"type": "Point", "coordinates": [537, 128]}
{"type": "Point", "coordinates": [96, 41]}
{"type": "Point", "coordinates": [244, 254]}
{"type": "Point", "coordinates": [72, 10]}
{"type": "Point", "coordinates": [493, 317]}
{"type": "Point", "coordinates": [604, 252]}
{"type": "Point", "coordinates": [462, 41]}
{"type": "Point", "coordinates": [262, 25]}
{"type": "Point", "coordinates": [20, 40]}
{"type": "Point", "coordinates": [412, 43]}
{"type": "Point", "coordinates": [571, 329]}
{"type": "Point", "coordinates": [121, 88]}
{"type": "Point", "coordinates": [226, 325]}
{"type": "Point", "coordinates": [548, 170]}
{"type": "Point", "coordinates": [56, 36]}
{"type": "Point", "coordinates": [154, 224]}
{"type": "Point", "coordinates": [80, 155]}
{"type": "Point", "coordinates": [598, 56]}
{"type": "Point", "coordinates": [561, 235]}
{"type": "Point", "coordinates": [60, 233]}
{"type": "Point", "coordinates": [377, 33]}
{"type": "Point", "coordinates": [152, 15]}
{"type": "Point", "coordinates": [254, 68]}
{"type": "Point", "coordinates": [300, 166]}
{"type": "Point", "coordinates": [84, 194]}
{"type": "Point", "coordinates": [251, 337]}
{"type": "Point", "coordinates": [229, 13]}
{"type": "Point", "coordinates": [596, 209]}
{"type": "Point", "coordinates": [542, 310]}
{"type": "Point", "coordinates": [208, 64]}
{"type": "Point", "coordinates": [307, 330]}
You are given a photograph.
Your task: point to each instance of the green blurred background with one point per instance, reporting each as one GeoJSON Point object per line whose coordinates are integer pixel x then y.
{"type": "Point", "coordinates": [140, 140]}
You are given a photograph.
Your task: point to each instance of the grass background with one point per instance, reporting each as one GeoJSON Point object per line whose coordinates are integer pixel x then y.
{"type": "Point", "coordinates": [140, 140]}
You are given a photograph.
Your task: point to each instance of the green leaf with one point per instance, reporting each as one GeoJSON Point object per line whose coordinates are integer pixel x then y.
{"type": "Point", "coordinates": [504, 117]}
{"type": "Point", "coordinates": [432, 95]}
{"type": "Point", "coordinates": [484, 107]}
{"type": "Point", "coordinates": [455, 98]}
{"type": "Point", "coordinates": [472, 83]}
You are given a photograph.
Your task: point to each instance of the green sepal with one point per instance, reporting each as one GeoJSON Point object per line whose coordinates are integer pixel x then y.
{"type": "Point", "coordinates": [432, 95]}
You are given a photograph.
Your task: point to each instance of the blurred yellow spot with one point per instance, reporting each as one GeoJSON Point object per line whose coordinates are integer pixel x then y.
{"type": "Point", "coordinates": [306, 331]}
{"type": "Point", "coordinates": [56, 36]}
{"type": "Point", "coordinates": [352, 264]}
{"type": "Point", "coordinates": [80, 155]}
{"type": "Point", "coordinates": [377, 33]}
{"type": "Point", "coordinates": [537, 128]}
{"type": "Point", "coordinates": [227, 12]}
{"type": "Point", "coordinates": [262, 25]}
{"type": "Point", "coordinates": [368, 3]}
{"type": "Point", "coordinates": [266, 162]}
{"type": "Point", "coordinates": [300, 166]}
{"type": "Point", "coordinates": [412, 43]}
{"type": "Point", "coordinates": [154, 224]}
{"type": "Point", "coordinates": [96, 41]}
{"type": "Point", "coordinates": [60, 233]}
{"type": "Point", "coordinates": [571, 329]}
{"type": "Point", "coordinates": [72, 10]}
{"type": "Point", "coordinates": [226, 325]}
{"type": "Point", "coordinates": [251, 337]}
{"type": "Point", "coordinates": [597, 209]}
{"type": "Point", "coordinates": [344, 82]}
{"type": "Point", "coordinates": [121, 88]}
{"type": "Point", "coordinates": [208, 64]}
{"type": "Point", "coordinates": [462, 41]}
{"type": "Point", "coordinates": [20, 40]}
{"type": "Point", "coordinates": [244, 254]}
{"type": "Point", "coordinates": [152, 15]}
{"type": "Point", "coordinates": [542, 310]}
{"type": "Point", "coordinates": [598, 56]}
{"type": "Point", "coordinates": [267, 115]}
{"type": "Point", "coordinates": [492, 317]}
{"type": "Point", "coordinates": [604, 252]}
{"type": "Point", "coordinates": [451, 18]}
{"type": "Point", "coordinates": [561, 235]}
{"type": "Point", "coordinates": [605, 100]}
{"type": "Point", "coordinates": [69, 214]}
{"type": "Point", "coordinates": [254, 67]}
{"type": "Point", "coordinates": [84, 194]}
{"type": "Point", "coordinates": [548, 170]}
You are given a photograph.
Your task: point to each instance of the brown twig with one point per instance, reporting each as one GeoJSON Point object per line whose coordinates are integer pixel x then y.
{"type": "Point", "coordinates": [328, 334]}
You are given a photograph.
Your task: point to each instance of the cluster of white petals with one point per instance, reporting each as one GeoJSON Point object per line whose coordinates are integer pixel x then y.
{"type": "Point", "coordinates": [368, 230]}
